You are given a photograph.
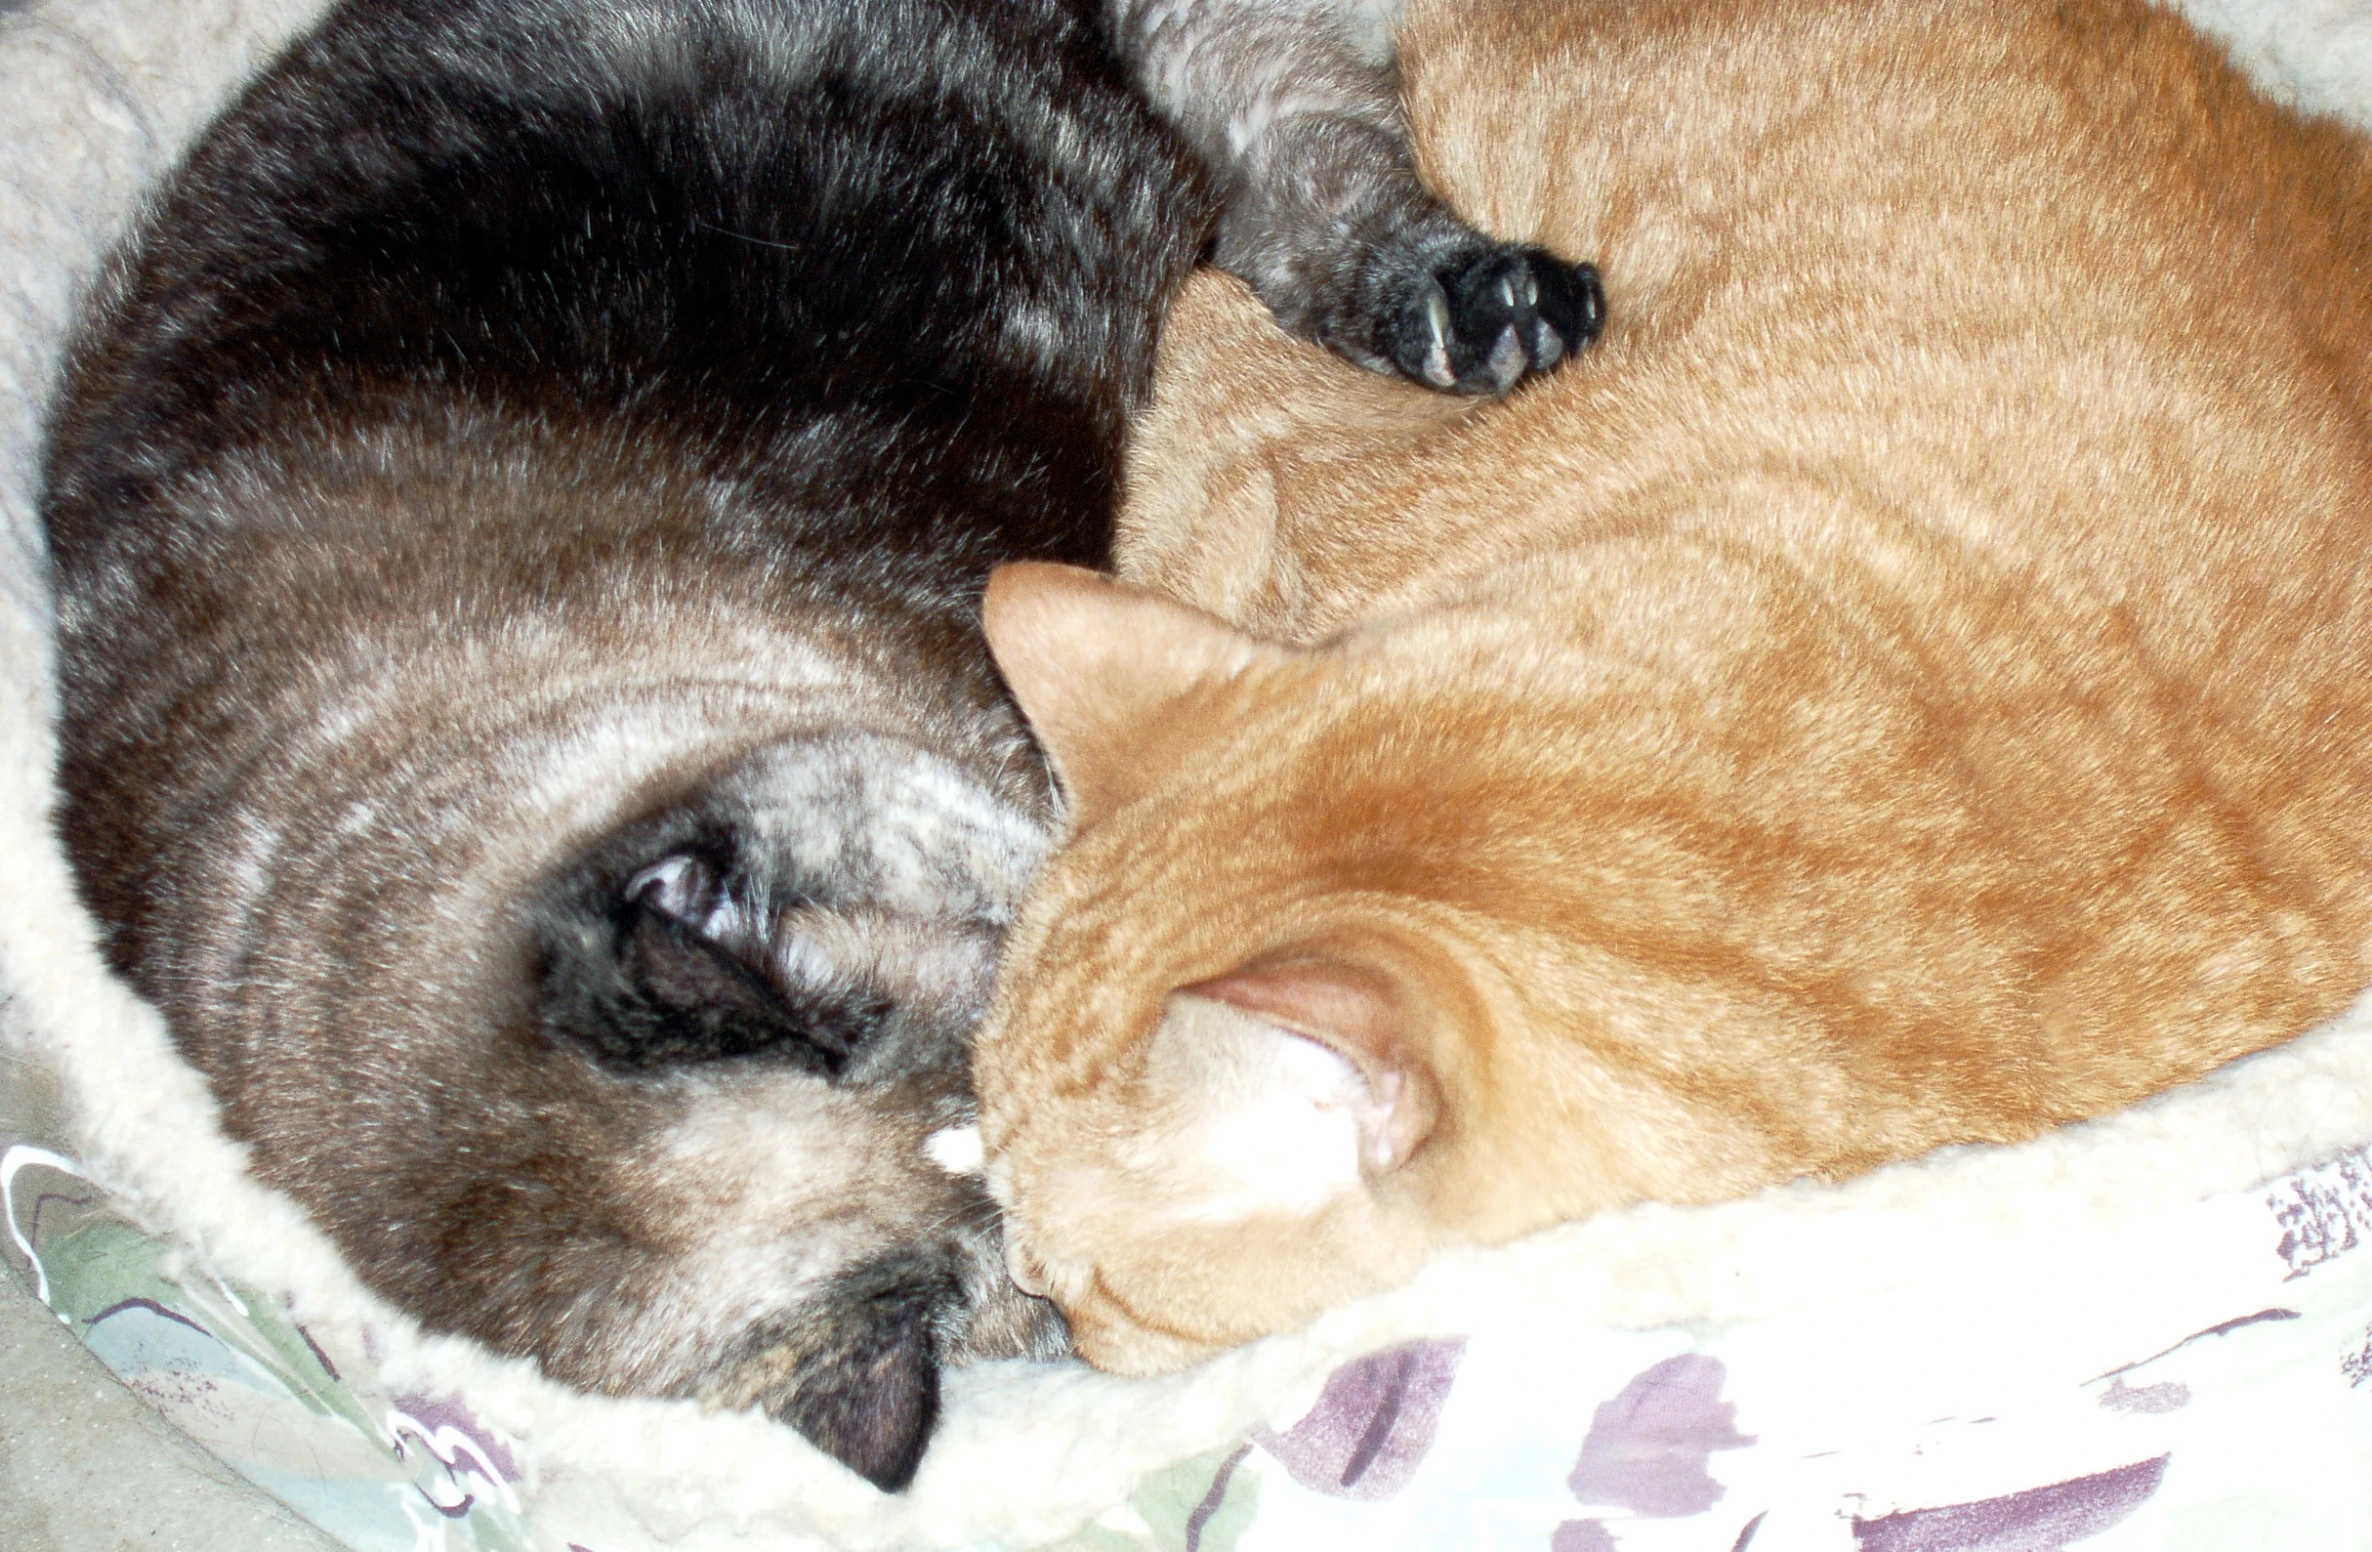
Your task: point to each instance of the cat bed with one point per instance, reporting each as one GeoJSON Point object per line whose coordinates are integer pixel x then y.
{"type": "Point", "coordinates": [2151, 1331]}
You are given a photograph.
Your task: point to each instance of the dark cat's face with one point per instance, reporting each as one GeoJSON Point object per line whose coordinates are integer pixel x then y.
{"type": "Point", "coordinates": [730, 1155]}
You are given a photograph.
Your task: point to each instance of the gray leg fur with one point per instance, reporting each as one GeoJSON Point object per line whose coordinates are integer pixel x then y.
{"type": "Point", "coordinates": [1295, 105]}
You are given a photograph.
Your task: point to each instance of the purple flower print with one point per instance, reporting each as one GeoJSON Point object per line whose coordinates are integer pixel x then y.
{"type": "Point", "coordinates": [474, 1458]}
{"type": "Point", "coordinates": [2357, 1365]}
{"type": "Point", "coordinates": [2324, 1212]}
{"type": "Point", "coordinates": [1648, 1449]}
{"type": "Point", "coordinates": [1373, 1422]}
{"type": "Point", "coordinates": [2172, 1396]}
{"type": "Point", "coordinates": [2041, 1519]}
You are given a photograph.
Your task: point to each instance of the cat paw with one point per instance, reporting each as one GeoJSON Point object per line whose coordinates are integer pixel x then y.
{"type": "Point", "coordinates": [1482, 321]}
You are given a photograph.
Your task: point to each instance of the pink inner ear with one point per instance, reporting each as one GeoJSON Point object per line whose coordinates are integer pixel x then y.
{"type": "Point", "coordinates": [1341, 1004]}
{"type": "Point", "coordinates": [1357, 1013]}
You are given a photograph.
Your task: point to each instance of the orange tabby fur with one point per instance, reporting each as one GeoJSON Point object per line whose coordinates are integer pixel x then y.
{"type": "Point", "coordinates": [1910, 684]}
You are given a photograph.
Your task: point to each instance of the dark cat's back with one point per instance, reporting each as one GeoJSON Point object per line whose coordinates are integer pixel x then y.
{"type": "Point", "coordinates": [518, 515]}
{"type": "Point", "coordinates": [909, 303]}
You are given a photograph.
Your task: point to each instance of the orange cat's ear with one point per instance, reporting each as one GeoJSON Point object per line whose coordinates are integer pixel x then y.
{"type": "Point", "coordinates": [1360, 1016]}
{"type": "Point", "coordinates": [1094, 664]}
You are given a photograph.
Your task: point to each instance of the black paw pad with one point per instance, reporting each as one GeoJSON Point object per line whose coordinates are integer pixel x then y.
{"type": "Point", "coordinates": [1481, 322]}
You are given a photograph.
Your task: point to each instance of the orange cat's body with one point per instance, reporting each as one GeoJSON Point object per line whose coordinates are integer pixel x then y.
{"type": "Point", "coordinates": [1912, 684]}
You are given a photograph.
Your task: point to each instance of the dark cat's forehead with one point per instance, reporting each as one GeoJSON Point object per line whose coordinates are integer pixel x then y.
{"type": "Point", "coordinates": [855, 821]}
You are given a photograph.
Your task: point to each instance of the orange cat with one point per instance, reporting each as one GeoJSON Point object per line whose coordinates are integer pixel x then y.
{"type": "Point", "coordinates": [1912, 685]}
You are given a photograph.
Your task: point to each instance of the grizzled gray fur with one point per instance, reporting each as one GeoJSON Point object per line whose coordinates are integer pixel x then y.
{"type": "Point", "coordinates": [519, 508]}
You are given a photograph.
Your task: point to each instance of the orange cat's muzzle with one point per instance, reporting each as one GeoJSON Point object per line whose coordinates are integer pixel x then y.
{"type": "Point", "coordinates": [1104, 1329]}
{"type": "Point", "coordinates": [1115, 1338]}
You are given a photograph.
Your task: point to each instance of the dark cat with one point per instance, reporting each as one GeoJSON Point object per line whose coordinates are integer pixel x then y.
{"type": "Point", "coordinates": [519, 510]}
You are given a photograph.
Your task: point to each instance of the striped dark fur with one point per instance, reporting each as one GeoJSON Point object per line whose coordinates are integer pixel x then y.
{"type": "Point", "coordinates": [519, 508]}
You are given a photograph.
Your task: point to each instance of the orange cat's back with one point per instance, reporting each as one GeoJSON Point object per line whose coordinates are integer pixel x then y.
{"type": "Point", "coordinates": [1987, 379]}
{"type": "Point", "coordinates": [1908, 684]}
{"type": "Point", "coordinates": [2021, 257]}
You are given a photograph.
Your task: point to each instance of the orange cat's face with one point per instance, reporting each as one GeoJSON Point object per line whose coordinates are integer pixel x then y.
{"type": "Point", "coordinates": [1907, 685]}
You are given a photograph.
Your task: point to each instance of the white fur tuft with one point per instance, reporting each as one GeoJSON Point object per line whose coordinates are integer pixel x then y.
{"type": "Point", "coordinates": [956, 1150]}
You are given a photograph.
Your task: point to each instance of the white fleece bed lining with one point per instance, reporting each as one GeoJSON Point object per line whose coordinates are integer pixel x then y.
{"type": "Point", "coordinates": [101, 94]}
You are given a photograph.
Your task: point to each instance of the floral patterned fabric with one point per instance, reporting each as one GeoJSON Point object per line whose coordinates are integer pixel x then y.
{"type": "Point", "coordinates": [2228, 1405]}
{"type": "Point", "coordinates": [381, 1473]}
{"type": "Point", "coordinates": [2191, 1379]}
{"type": "Point", "coordinates": [2229, 1408]}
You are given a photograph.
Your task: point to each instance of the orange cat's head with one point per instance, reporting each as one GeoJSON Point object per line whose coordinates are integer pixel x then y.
{"type": "Point", "coordinates": [1907, 686]}
{"type": "Point", "coordinates": [1248, 1056]}
{"type": "Point", "coordinates": [1222, 1117]}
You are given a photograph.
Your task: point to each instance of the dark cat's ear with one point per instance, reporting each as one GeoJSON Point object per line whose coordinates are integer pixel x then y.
{"type": "Point", "coordinates": [1096, 665]}
{"type": "Point", "coordinates": [1363, 1019]}
{"type": "Point", "coordinates": [870, 1400]}
{"type": "Point", "coordinates": [856, 1370]}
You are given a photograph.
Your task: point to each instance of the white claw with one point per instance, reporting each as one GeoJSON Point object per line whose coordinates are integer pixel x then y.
{"type": "Point", "coordinates": [1507, 291]}
{"type": "Point", "coordinates": [1507, 359]}
{"type": "Point", "coordinates": [676, 886]}
{"type": "Point", "coordinates": [1531, 289]}
{"type": "Point", "coordinates": [1547, 347]}
{"type": "Point", "coordinates": [1437, 354]}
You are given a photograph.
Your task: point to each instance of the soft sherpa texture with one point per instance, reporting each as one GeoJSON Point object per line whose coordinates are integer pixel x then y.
{"type": "Point", "coordinates": [99, 96]}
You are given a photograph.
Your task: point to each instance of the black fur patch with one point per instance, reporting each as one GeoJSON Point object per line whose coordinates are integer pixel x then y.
{"type": "Point", "coordinates": [640, 990]}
